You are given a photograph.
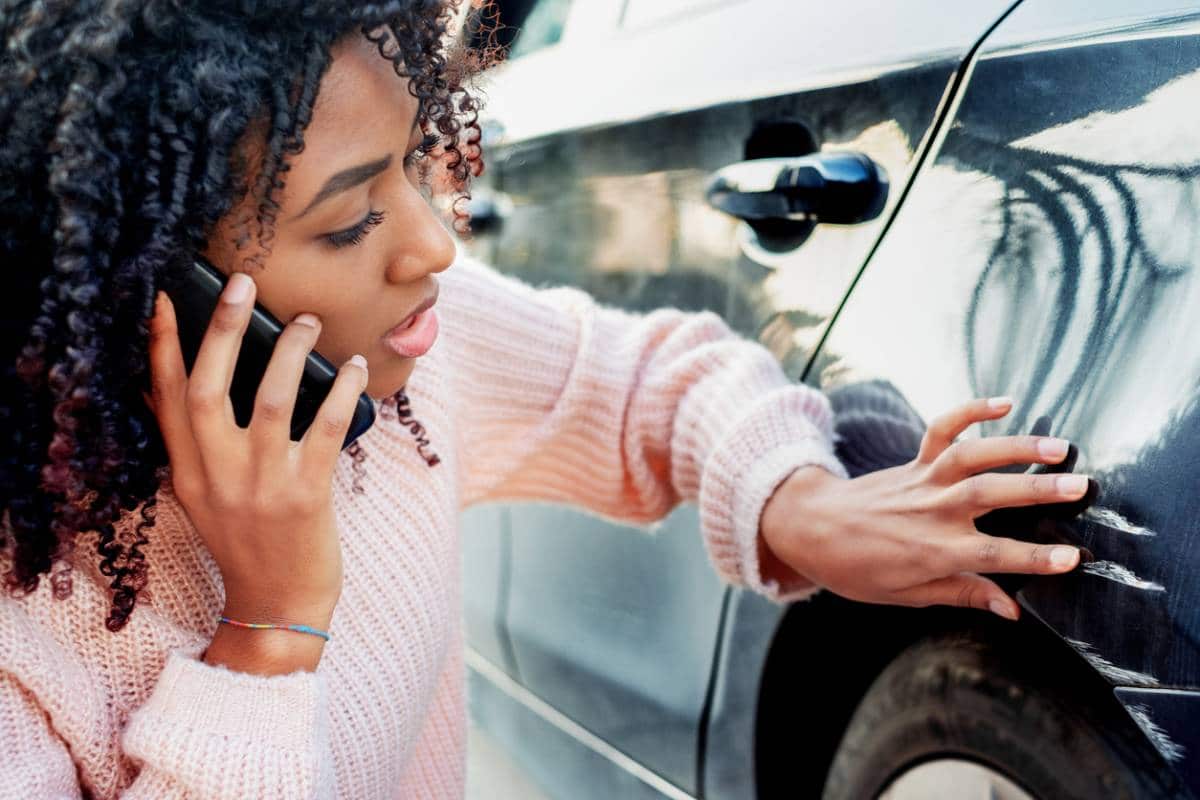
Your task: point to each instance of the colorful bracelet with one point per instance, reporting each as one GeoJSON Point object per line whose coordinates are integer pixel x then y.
{"type": "Point", "coordinates": [297, 628]}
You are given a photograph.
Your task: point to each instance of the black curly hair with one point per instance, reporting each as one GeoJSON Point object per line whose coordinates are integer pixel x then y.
{"type": "Point", "coordinates": [120, 124]}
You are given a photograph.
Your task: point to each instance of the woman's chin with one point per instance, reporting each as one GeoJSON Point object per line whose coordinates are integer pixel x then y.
{"type": "Point", "coordinates": [386, 381]}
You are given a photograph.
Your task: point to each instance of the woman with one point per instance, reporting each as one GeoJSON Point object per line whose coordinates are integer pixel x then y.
{"type": "Point", "coordinates": [288, 142]}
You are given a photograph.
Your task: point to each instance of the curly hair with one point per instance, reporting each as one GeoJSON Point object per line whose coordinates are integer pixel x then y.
{"type": "Point", "coordinates": [120, 124]}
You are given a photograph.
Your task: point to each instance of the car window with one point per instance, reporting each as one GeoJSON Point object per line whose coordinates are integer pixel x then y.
{"type": "Point", "coordinates": [643, 12]}
{"type": "Point", "coordinates": [542, 27]}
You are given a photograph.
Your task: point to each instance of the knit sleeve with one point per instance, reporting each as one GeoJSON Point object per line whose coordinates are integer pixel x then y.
{"type": "Point", "coordinates": [205, 732]}
{"type": "Point", "coordinates": [566, 400]}
{"type": "Point", "coordinates": [37, 764]}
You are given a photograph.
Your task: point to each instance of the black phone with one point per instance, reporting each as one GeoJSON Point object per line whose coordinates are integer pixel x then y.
{"type": "Point", "coordinates": [195, 298]}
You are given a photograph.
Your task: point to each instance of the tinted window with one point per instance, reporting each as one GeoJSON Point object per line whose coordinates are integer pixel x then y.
{"type": "Point", "coordinates": [542, 27]}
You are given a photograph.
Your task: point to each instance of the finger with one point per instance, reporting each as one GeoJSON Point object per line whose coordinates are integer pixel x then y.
{"type": "Point", "coordinates": [945, 429]}
{"type": "Point", "coordinates": [988, 490]}
{"type": "Point", "coordinates": [275, 401]}
{"type": "Point", "coordinates": [208, 386]}
{"type": "Point", "coordinates": [168, 383]}
{"type": "Point", "coordinates": [979, 552]}
{"type": "Point", "coordinates": [972, 456]}
{"type": "Point", "coordinates": [322, 443]}
{"type": "Point", "coordinates": [966, 590]}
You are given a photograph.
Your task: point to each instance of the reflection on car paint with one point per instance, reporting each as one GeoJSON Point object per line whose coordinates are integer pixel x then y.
{"type": "Point", "coordinates": [618, 210]}
{"type": "Point", "coordinates": [1048, 252]}
{"type": "Point", "coordinates": [1048, 257]}
{"type": "Point", "coordinates": [631, 227]}
{"type": "Point", "coordinates": [707, 60]}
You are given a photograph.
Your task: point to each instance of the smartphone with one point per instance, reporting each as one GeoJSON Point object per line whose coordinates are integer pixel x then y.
{"type": "Point", "coordinates": [195, 298]}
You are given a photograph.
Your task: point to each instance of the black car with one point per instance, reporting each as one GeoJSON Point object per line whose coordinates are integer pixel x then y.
{"type": "Point", "coordinates": [911, 204]}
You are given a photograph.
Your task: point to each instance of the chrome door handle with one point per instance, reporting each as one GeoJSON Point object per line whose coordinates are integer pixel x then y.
{"type": "Point", "coordinates": [842, 188]}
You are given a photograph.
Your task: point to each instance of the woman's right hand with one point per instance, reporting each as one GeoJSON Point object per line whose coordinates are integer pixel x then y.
{"type": "Point", "coordinates": [261, 503]}
{"type": "Point", "coordinates": [906, 535]}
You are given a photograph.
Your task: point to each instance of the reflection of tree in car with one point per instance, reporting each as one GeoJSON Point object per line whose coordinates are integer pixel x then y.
{"type": "Point", "coordinates": [1102, 270]}
{"type": "Point", "coordinates": [1057, 233]}
{"type": "Point", "coordinates": [1106, 258]}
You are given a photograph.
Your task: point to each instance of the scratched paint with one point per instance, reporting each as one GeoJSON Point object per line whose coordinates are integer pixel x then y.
{"type": "Point", "coordinates": [1111, 519]}
{"type": "Point", "coordinates": [1114, 674]}
{"type": "Point", "coordinates": [1170, 749]}
{"type": "Point", "coordinates": [1115, 572]}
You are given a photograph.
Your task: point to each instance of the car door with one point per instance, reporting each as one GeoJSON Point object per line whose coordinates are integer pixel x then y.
{"type": "Point", "coordinates": [1049, 251]}
{"type": "Point", "coordinates": [600, 149]}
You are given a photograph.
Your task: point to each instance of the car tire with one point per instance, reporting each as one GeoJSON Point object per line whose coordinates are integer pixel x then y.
{"type": "Point", "coordinates": [958, 698]}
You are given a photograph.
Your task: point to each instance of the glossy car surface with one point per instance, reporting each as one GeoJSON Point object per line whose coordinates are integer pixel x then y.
{"type": "Point", "coordinates": [1036, 236]}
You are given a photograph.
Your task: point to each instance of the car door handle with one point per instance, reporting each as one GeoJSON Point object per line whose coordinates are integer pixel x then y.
{"type": "Point", "coordinates": [488, 210]}
{"type": "Point", "coordinates": [842, 188]}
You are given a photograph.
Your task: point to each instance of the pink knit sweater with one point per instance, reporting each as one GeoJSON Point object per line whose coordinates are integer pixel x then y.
{"type": "Point", "coordinates": [528, 394]}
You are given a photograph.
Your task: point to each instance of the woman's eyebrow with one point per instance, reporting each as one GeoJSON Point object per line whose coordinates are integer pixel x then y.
{"type": "Point", "coordinates": [347, 179]}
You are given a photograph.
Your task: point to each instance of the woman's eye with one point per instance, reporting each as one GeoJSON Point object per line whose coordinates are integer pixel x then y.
{"type": "Point", "coordinates": [352, 236]}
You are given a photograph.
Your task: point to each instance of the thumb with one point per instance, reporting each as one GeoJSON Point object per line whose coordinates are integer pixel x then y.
{"type": "Point", "coordinates": [966, 590]}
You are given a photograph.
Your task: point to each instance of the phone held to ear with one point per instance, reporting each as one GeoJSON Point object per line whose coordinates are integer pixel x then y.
{"type": "Point", "coordinates": [196, 298]}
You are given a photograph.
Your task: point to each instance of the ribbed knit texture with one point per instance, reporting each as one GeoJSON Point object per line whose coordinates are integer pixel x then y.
{"type": "Point", "coordinates": [528, 394]}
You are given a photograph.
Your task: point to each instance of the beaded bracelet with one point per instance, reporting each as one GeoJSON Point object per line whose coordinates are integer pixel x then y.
{"type": "Point", "coordinates": [297, 628]}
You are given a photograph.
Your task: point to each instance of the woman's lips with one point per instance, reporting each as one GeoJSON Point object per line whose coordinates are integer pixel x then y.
{"type": "Point", "coordinates": [414, 338]}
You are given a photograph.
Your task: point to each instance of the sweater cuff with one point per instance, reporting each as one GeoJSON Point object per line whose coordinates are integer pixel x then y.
{"type": "Point", "coordinates": [200, 715]}
{"type": "Point", "coordinates": [776, 438]}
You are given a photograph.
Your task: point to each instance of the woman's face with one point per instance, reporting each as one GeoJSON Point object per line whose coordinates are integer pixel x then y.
{"type": "Point", "coordinates": [363, 120]}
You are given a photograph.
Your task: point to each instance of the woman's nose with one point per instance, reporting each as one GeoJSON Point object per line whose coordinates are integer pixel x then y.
{"type": "Point", "coordinates": [425, 246]}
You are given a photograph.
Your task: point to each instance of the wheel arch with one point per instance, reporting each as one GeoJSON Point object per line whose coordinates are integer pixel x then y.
{"type": "Point", "coordinates": [826, 653]}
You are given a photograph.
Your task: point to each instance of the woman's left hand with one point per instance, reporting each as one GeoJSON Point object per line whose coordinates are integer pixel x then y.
{"type": "Point", "coordinates": [905, 535]}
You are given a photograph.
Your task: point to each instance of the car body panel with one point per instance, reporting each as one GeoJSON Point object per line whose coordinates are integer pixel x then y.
{"type": "Point", "coordinates": [728, 764]}
{"type": "Point", "coordinates": [1049, 252]}
{"type": "Point", "coordinates": [618, 628]}
{"type": "Point", "coordinates": [1169, 718]}
{"type": "Point", "coordinates": [607, 181]}
{"type": "Point", "coordinates": [487, 546]}
{"type": "Point", "coordinates": [1045, 250]}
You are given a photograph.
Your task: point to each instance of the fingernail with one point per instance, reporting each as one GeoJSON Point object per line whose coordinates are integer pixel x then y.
{"type": "Point", "coordinates": [238, 288]}
{"type": "Point", "coordinates": [999, 402]}
{"type": "Point", "coordinates": [307, 319]}
{"type": "Point", "coordinates": [1072, 484]}
{"type": "Point", "coordinates": [1002, 608]}
{"type": "Point", "coordinates": [358, 360]}
{"type": "Point", "coordinates": [1052, 448]}
{"type": "Point", "coordinates": [1063, 557]}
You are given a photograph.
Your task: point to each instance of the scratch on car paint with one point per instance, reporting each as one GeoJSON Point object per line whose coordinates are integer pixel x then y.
{"type": "Point", "coordinates": [1111, 519]}
{"type": "Point", "coordinates": [1170, 750]}
{"type": "Point", "coordinates": [1115, 572]}
{"type": "Point", "coordinates": [1117, 675]}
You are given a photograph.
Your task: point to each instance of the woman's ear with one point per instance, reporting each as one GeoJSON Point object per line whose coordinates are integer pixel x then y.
{"type": "Point", "coordinates": [231, 239]}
